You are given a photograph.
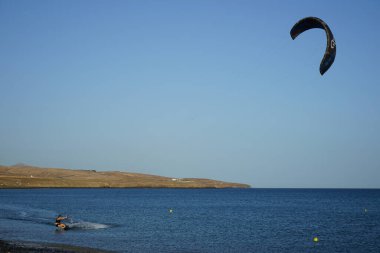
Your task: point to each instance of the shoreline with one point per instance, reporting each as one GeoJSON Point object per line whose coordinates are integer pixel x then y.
{"type": "Point", "coordinates": [41, 247]}
{"type": "Point", "coordinates": [25, 176]}
{"type": "Point", "coordinates": [132, 187]}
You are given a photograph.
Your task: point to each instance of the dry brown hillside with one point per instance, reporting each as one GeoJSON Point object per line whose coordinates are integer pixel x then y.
{"type": "Point", "coordinates": [24, 176]}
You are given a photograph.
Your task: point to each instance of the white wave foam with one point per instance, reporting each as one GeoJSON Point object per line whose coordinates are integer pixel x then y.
{"type": "Point", "coordinates": [23, 214]}
{"type": "Point", "coordinates": [18, 212]}
{"type": "Point", "coordinates": [87, 225]}
{"type": "Point", "coordinates": [43, 216]}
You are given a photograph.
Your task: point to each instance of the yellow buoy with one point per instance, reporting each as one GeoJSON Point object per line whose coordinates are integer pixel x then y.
{"type": "Point", "coordinates": [315, 239]}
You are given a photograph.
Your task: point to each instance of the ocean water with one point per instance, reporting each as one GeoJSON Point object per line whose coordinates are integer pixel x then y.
{"type": "Point", "coordinates": [200, 220]}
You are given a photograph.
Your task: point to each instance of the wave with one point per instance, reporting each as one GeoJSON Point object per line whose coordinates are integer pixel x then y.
{"type": "Point", "coordinates": [85, 225]}
{"type": "Point", "coordinates": [27, 214]}
{"type": "Point", "coordinates": [44, 217]}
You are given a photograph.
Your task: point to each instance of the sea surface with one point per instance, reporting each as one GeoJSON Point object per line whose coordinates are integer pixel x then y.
{"type": "Point", "coordinates": [197, 220]}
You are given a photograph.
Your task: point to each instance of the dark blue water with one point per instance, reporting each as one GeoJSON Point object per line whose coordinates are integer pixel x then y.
{"type": "Point", "coordinates": [205, 220]}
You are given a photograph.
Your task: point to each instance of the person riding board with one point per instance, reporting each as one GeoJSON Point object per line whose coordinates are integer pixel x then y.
{"type": "Point", "coordinates": [58, 221]}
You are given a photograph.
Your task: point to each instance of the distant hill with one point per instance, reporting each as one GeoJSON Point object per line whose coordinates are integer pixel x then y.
{"type": "Point", "coordinates": [27, 176]}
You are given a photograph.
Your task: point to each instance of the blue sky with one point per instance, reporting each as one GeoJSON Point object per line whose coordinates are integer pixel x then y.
{"type": "Point", "coordinates": [213, 89]}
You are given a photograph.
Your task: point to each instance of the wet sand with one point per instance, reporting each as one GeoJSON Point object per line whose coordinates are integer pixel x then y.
{"type": "Point", "coordinates": [35, 247]}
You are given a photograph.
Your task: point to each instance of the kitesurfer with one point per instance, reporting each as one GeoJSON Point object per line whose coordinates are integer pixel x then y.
{"type": "Point", "coordinates": [58, 222]}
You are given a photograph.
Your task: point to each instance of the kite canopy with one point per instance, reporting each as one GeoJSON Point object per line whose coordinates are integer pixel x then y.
{"type": "Point", "coordinates": [313, 22]}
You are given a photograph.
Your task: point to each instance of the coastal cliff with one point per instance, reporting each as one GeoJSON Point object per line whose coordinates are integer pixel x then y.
{"type": "Point", "coordinates": [25, 176]}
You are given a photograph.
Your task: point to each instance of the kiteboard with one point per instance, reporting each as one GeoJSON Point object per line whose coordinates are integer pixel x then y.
{"type": "Point", "coordinates": [63, 227]}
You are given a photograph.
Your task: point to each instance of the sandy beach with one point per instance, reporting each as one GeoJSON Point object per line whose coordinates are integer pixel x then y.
{"type": "Point", "coordinates": [35, 247]}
